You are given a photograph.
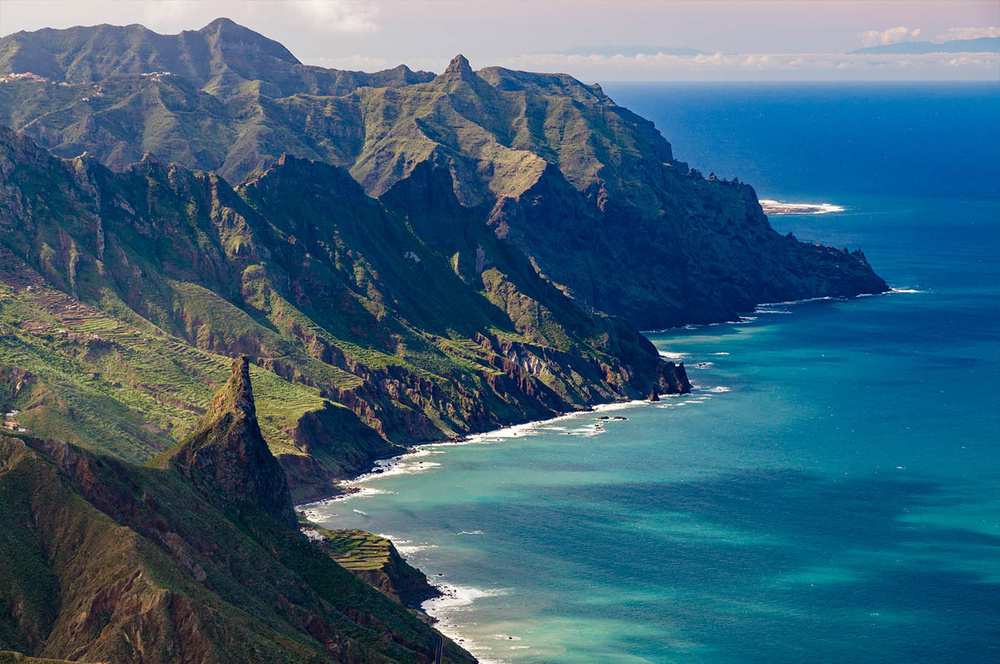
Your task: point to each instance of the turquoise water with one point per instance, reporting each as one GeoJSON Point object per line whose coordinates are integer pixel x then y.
{"type": "Point", "coordinates": [829, 493]}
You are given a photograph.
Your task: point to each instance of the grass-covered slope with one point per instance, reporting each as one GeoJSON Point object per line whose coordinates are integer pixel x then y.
{"type": "Point", "coordinates": [195, 558]}
{"type": "Point", "coordinates": [123, 293]}
{"type": "Point", "coordinates": [375, 561]}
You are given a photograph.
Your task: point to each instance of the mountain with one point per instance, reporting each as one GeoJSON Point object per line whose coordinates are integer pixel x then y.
{"type": "Point", "coordinates": [122, 295]}
{"type": "Point", "coordinates": [108, 561]}
{"type": "Point", "coordinates": [980, 45]}
{"type": "Point", "coordinates": [552, 166]}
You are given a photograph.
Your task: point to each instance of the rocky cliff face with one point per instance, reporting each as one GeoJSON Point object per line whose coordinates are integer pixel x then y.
{"type": "Point", "coordinates": [368, 336]}
{"type": "Point", "coordinates": [514, 213]}
{"type": "Point", "coordinates": [227, 457]}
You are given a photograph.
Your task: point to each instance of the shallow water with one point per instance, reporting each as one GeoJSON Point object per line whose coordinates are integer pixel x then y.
{"type": "Point", "coordinates": [830, 492]}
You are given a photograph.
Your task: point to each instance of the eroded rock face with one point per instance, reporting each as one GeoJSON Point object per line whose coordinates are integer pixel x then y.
{"type": "Point", "coordinates": [227, 457]}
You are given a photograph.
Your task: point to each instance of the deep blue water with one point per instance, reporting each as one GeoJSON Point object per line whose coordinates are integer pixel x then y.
{"type": "Point", "coordinates": [830, 492]}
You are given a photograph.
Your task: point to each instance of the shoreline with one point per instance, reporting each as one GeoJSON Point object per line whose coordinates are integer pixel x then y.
{"type": "Point", "coordinates": [435, 609]}
{"type": "Point", "coordinates": [772, 207]}
{"type": "Point", "coordinates": [417, 450]}
{"type": "Point", "coordinates": [450, 595]}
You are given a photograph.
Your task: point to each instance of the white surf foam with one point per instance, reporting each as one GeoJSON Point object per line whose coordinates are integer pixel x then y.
{"type": "Point", "coordinates": [777, 207]}
{"type": "Point", "coordinates": [407, 549]}
{"type": "Point", "coordinates": [455, 600]}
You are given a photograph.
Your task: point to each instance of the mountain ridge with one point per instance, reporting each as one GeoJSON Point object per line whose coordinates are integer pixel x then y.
{"type": "Point", "coordinates": [365, 338]}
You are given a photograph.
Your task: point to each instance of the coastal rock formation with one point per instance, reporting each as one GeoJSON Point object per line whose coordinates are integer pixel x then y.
{"type": "Point", "coordinates": [227, 457]}
{"type": "Point", "coordinates": [375, 561]}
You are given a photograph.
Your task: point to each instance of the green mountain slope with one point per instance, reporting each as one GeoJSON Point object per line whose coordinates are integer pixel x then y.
{"type": "Point", "coordinates": [123, 293]}
{"type": "Point", "coordinates": [106, 561]}
{"type": "Point", "coordinates": [587, 191]}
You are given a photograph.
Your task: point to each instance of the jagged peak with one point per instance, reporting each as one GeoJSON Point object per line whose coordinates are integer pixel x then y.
{"type": "Point", "coordinates": [227, 457]}
{"type": "Point", "coordinates": [459, 67]}
{"type": "Point", "coordinates": [236, 396]}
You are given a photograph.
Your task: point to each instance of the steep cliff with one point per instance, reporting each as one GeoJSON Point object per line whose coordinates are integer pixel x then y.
{"type": "Point", "coordinates": [124, 293]}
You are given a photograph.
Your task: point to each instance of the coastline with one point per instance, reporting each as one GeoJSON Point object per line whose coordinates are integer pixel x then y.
{"type": "Point", "coordinates": [772, 207]}
{"type": "Point", "coordinates": [452, 596]}
{"type": "Point", "coordinates": [386, 467]}
{"type": "Point", "coordinates": [409, 462]}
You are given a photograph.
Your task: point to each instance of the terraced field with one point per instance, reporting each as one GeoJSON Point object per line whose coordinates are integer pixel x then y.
{"type": "Point", "coordinates": [87, 377]}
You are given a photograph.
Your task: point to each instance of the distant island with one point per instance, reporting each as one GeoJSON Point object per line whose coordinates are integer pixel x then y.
{"type": "Point", "coordinates": [979, 45]}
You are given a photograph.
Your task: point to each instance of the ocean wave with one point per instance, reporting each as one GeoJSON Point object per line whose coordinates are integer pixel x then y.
{"type": "Point", "coordinates": [673, 357]}
{"type": "Point", "coordinates": [905, 290]}
{"type": "Point", "coordinates": [453, 597]}
{"type": "Point", "coordinates": [406, 549]}
{"type": "Point", "coordinates": [777, 207]}
{"type": "Point", "coordinates": [456, 599]}
{"type": "Point", "coordinates": [472, 532]}
{"type": "Point", "coordinates": [803, 301]}
{"type": "Point", "coordinates": [719, 389]}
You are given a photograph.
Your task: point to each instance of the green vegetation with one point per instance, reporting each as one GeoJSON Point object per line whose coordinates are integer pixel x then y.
{"type": "Point", "coordinates": [99, 554]}
{"type": "Point", "coordinates": [549, 165]}
{"type": "Point", "coordinates": [363, 336]}
{"type": "Point", "coordinates": [356, 549]}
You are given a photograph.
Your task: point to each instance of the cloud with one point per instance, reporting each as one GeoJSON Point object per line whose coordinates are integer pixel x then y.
{"type": "Point", "coordinates": [969, 33]}
{"type": "Point", "coordinates": [347, 16]}
{"type": "Point", "coordinates": [659, 66]}
{"type": "Point", "coordinates": [340, 16]}
{"type": "Point", "coordinates": [888, 36]}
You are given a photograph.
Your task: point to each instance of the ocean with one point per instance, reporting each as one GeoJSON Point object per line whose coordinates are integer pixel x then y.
{"type": "Point", "coordinates": [830, 492]}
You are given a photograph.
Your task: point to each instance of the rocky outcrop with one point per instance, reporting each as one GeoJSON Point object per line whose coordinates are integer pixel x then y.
{"type": "Point", "coordinates": [227, 457]}
{"type": "Point", "coordinates": [375, 561]}
{"type": "Point", "coordinates": [672, 379]}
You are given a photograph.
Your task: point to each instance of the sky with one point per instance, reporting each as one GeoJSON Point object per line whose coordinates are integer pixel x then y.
{"type": "Point", "coordinates": [595, 40]}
